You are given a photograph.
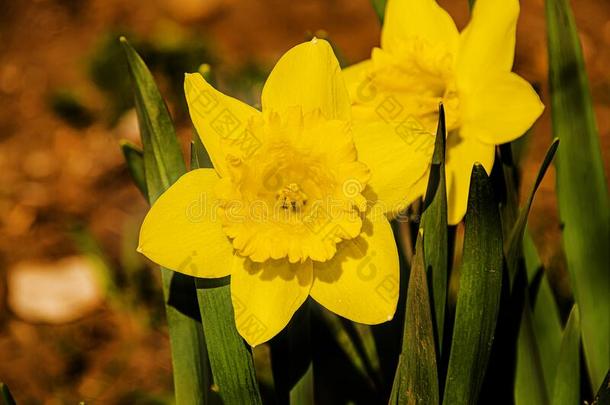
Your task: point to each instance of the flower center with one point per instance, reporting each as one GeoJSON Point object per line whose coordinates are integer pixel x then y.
{"type": "Point", "coordinates": [288, 198]}
{"type": "Point", "coordinates": [418, 76]}
{"type": "Point", "coordinates": [292, 197]}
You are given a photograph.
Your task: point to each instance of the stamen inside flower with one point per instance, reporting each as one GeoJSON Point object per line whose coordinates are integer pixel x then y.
{"type": "Point", "coordinates": [291, 197]}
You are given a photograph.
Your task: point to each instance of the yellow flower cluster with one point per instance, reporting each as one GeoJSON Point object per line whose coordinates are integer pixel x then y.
{"type": "Point", "coordinates": [299, 200]}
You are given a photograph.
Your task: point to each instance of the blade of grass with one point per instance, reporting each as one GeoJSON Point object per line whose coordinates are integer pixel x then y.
{"type": "Point", "coordinates": [134, 157]}
{"type": "Point", "coordinates": [567, 382]}
{"type": "Point", "coordinates": [545, 315]}
{"type": "Point", "coordinates": [163, 165]}
{"type": "Point", "coordinates": [530, 256]}
{"type": "Point", "coordinates": [530, 386]}
{"type": "Point", "coordinates": [416, 380]}
{"type": "Point", "coordinates": [582, 193]}
{"type": "Point", "coordinates": [369, 350]}
{"type": "Point", "coordinates": [434, 223]}
{"type": "Point", "coordinates": [478, 296]}
{"type": "Point", "coordinates": [345, 342]}
{"type": "Point", "coordinates": [546, 322]}
{"type": "Point", "coordinates": [514, 245]}
{"type": "Point", "coordinates": [358, 344]}
{"type": "Point", "coordinates": [547, 330]}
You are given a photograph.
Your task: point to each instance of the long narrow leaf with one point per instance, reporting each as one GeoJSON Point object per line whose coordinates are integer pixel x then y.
{"type": "Point", "coordinates": [514, 245]}
{"type": "Point", "coordinates": [567, 383]}
{"type": "Point", "coordinates": [417, 377]}
{"type": "Point", "coordinates": [163, 165]}
{"type": "Point", "coordinates": [581, 186]}
{"type": "Point", "coordinates": [546, 322]}
{"type": "Point", "coordinates": [434, 222]}
{"type": "Point", "coordinates": [478, 296]}
{"type": "Point", "coordinates": [547, 330]}
{"type": "Point", "coordinates": [530, 386]}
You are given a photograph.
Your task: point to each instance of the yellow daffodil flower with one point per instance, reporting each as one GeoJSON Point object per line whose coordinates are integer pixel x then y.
{"type": "Point", "coordinates": [295, 205]}
{"type": "Point", "coordinates": [424, 60]}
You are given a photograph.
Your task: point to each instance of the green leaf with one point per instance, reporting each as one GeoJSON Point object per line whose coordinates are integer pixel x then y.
{"type": "Point", "coordinates": [5, 395]}
{"type": "Point", "coordinates": [514, 245]}
{"type": "Point", "coordinates": [416, 380]}
{"type": "Point", "coordinates": [478, 298]}
{"type": "Point", "coordinates": [434, 223]}
{"type": "Point", "coordinates": [163, 165]}
{"type": "Point", "coordinates": [567, 381]}
{"type": "Point", "coordinates": [163, 161]}
{"type": "Point", "coordinates": [545, 319]}
{"type": "Point", "coordinates": [230, 359]}
{"type": "Point", "coordinates": [530, 387]}
{"type": "Point", "coordinates": [582, 193]}
{"type": "Point", "coordinates": [603, 394]}
{"type": "Point", "coordinates": [506, 175]}
{"type": "Point", "coordinates": [346, 342]}
{"type": "Point", "coordinates": [530, 256]}
{"type": "Point", "coordinates": [379, 7]}
{"type": "Point", "coordinates": [547, 330]}
{"type": "Point", "coordinates": [135, 164]}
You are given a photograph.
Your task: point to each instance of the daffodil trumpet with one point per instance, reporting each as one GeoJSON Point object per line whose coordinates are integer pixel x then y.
{"type": "Point", "coordinates": [423, 60]}
{"type": "Point", "coordinates": [298, 201]}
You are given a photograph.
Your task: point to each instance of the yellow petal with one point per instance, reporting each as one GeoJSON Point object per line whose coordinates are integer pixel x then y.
{"type": "Point", "coordinates": [487, 44]}
{"type": "Point", "coordinates": [308, 76]}
{"type": "Point", "coordinates": [361, 282]}
{"type": "Point", "coordinates": [503, 110]}
{"type": "Point", "coordinates": [462, 154]}
{"type": "Point", "coordinates": [221, 121]}
{"type": "Point", "coordinates": [266, 295]}
{"type": "Point", "coordinates": [406, 20]}
{"type": "Point", "coordinates": [398, 155]}
{"type": "Point", "coordinates": [182, 231]}
{"type": "Point", "coordinates": [355, 77]}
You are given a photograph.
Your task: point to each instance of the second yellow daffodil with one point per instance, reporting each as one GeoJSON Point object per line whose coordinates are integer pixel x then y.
{"type": "Point", "coordinates": [295, 205]}
{"type": "Point", "coordinates": [424, 60]}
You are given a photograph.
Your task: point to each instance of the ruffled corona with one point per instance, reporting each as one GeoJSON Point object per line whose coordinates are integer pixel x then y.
{"type": "Point", "coordinates": [305, 176]}
{"type": "Point", "coordinates": [419, 76]}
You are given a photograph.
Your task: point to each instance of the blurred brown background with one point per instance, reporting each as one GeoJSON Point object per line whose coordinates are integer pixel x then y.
{"type": "Point", "coordinates": [81, 315]}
